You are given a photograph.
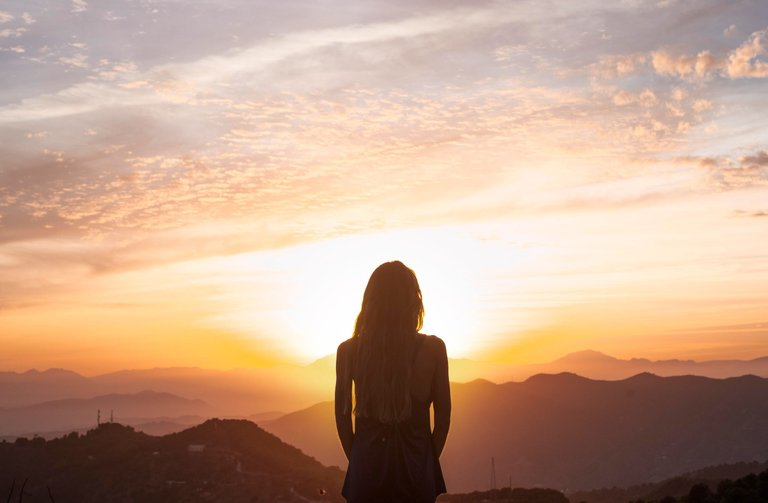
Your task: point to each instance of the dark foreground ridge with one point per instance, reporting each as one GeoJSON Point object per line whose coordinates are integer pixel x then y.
{"type": "Point", "coordinates": [237, 461]}
{"type": "Point", "coordinates": [752, 488]}
{"type": "Point", "coordinates": [507, 495]}
{"type": "Point", "coordinates": [219, 460]}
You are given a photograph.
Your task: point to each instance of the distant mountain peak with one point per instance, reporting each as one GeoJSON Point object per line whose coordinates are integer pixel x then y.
{"type": "Point", "coordinates": [586, 356]}
{"type": "Point", "coordinates": [57, 372]}
{"type": "Point", "coordinates": [645, 376]}
{"type": "Point", "coordinates": [560, 377]}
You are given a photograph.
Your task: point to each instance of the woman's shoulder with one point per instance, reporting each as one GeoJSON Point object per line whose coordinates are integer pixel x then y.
{"type": "Point", "coordinates": [345, 346]}
{"type": "Point", "coordinates": [434, 343]}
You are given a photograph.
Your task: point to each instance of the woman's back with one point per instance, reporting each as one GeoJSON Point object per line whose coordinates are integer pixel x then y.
{"type": "Point", "coordinates": [398, 460]}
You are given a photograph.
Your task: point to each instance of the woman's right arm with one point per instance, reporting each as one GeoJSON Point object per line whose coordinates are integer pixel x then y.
{"type": "Point", "coordinates": [441, 399]}
{"type": "Point", "coordinates": [343, 399]}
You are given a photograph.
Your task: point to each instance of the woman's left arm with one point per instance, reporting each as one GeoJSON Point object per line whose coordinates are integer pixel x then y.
{"type": "Point", "coordinates": [343, 399]}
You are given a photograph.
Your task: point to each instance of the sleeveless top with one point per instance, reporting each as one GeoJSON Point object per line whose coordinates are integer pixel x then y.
{"type": "Point", "coordinates": [394, 462]}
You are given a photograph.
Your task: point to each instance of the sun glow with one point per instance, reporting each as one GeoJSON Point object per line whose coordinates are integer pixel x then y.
{"type": "Point", "coordinates": [315, 290]}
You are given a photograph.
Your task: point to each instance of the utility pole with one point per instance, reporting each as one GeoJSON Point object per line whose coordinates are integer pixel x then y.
{"type": "Point", "coordinates": [493, 472]}
{"type": "Point", "coordinates": [111, 416]}
{"type": "Point", "coordinates": [98, 417]}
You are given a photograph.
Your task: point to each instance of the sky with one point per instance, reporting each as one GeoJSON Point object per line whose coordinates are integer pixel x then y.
{"type": "Point", "coordinates": [210, 183]}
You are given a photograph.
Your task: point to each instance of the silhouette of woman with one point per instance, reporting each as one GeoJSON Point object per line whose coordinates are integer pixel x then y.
{"type": "Point", "coordinates": [397, 373]}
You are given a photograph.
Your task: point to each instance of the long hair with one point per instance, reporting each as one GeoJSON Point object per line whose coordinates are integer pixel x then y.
{"type": "Point", "coordinates": [391, 314]}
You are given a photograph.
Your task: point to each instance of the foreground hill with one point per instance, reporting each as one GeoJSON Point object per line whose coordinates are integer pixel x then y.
{"type": "Point", "coordinates": [219, 460]}
{"type": "Point", "coordinates": [571, 433]}
{"type": "Point", "coordinates": [750, 487]}
{"type": "Point", "coordinates": [506, 495]}
{"type": "Point", "coordinates": [675, 487]}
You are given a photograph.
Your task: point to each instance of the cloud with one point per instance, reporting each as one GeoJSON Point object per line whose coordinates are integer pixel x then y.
{"type": "Point", "coordinates": [757, 160]}
{"type": "Point", "coordinates": [79, 6]}
{"type": "Point", "coordinates": [701, 105]}
{"type": "Point", "coordinates": [13, 32]}
{"type": "Point", "coordinates": [646, 98]}
{"type": "Point", "coordinates": [261, 55]}
{"type": "Point", "coordinates": [182, 82]}
{"type": "Point", "coordinates": [731, 31]}
{"type": "Point", "coordinates": [78, 60]}
{"type": "Point", "coordinates": [739, 63]}
{"type": "Point", "coordinates": [5, 16]}
{"type": "Point", "coordinates": [751, 214]}
{"type": "Point", "coordinates": [77, 99]}
{"type": "Point", "coordinates": [613, 66]}
{"type": "Point", "coordinates": [734, 172]}
{"type": "Point", "coordinates": [742, 61]}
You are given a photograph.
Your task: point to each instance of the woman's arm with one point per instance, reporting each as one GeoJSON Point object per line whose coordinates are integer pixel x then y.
{"type": "Point", "coordinates": [441, 400]}
{"type": "Point", "coordinates": [343, 399]}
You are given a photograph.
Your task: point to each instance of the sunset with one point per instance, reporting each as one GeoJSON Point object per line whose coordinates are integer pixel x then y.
{"type": "Point", "coordinates": [210, 185]}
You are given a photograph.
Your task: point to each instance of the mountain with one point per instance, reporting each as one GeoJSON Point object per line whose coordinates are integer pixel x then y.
{"type": "Point", "coordinates": [597, 365]}
{"type": "Point", "coordinates": [219, 460]}
{"type": "Point", "coordinates": [241, 392]}
{"type": "Point", "coordinates": [77, 413]}
{"type": "Point", "coordinates": [571, 433]}
{"type": "Point", "coordinates": [238, 392]}
{"type": "Point", "coordinates": [601, 366]}
{"type": "Point", "coordinates": [33, 386]}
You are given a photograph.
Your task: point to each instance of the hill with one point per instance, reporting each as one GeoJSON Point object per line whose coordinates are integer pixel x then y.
{"type": "Point", "coordinates": [507, 495]}
{"type": "Point", "coordinates": [676, 487]}
{"type": "Point", "coordinates": [571, 433]}
{"type": "Point", "coordinates": [219, 460]}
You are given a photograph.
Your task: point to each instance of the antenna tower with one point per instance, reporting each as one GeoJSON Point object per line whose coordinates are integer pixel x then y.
{"type": "Point", "coordinates": [493, 472]}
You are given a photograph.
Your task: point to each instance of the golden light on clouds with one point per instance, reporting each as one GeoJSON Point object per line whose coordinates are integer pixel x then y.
{"type": "Point", "coordinates": [560, 178]}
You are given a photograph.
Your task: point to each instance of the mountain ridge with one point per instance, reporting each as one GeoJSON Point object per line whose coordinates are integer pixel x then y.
{"type": "Point", "coordinates": [562, 431]}
{"type": "Point", "coordinates": [218, 460]}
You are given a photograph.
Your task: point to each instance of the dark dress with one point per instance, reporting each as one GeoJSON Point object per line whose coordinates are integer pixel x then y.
{"type": "Point", "coordinates": [394, 462]}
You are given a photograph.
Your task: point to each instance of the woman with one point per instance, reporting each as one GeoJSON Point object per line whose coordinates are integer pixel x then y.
{"type": "Point", "coordinates": [397, 372]}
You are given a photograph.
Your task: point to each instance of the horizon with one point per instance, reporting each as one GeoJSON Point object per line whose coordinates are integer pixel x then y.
{"type": "Point", "coordinates": [565, 359]}
{"type": "Point", "coordinates": [197, 184]}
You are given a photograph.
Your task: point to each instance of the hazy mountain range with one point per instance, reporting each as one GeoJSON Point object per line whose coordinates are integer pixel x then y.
{"type": "Point", "coordinates": [72, 414]}
{"type": "Point", "coordinates": [292, 387]}
{"type": "Point", "coordinates": [232, 392]}
{"type": "Point", "coordinates": [597, 365]}
{"type": "Point", "coordinates": [568, 432]}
